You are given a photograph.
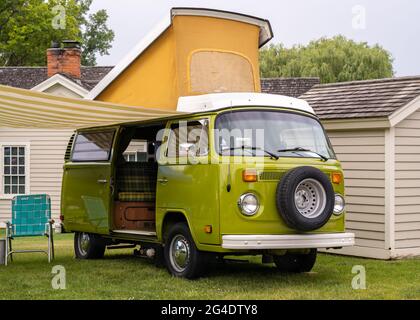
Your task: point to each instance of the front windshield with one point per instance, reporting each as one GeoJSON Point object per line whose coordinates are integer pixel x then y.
{"type": "Point", "coordinates": [259, 133]}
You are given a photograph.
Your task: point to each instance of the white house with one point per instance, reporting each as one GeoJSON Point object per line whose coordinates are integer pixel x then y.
{"type": "Point", "coordinates": [32, 156]}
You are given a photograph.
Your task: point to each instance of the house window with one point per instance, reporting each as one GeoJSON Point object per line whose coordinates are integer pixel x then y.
{"type": "Point", "coordinates": [135, 156]}
{"type": "Point", "coordinates": [130, 156]}
{"type": "Point", "coordinates": [14, 170]}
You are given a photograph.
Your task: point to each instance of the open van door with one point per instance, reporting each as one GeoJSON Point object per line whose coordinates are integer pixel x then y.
{"type": "Point", "coordinates": [187, 181]}
{"type": "Point", "coordinates": [87, 182]}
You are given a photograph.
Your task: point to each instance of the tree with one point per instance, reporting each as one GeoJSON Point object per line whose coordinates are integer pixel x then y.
{"type": "Point", "coordinates": [96, 38]}
{"type": "Point", "coordinates": [332, 60]}
{"type": "Point", "coordinates": [27, 28]}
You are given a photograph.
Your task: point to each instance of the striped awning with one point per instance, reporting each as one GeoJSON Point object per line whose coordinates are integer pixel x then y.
{"type": "Point", "coordinates": [21, 108]}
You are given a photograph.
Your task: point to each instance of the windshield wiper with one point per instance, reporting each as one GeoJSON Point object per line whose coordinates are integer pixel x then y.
{"type": "Point", "coordinates": [271, 154]}
{"type": "Point", "coordinates": [297, 149]}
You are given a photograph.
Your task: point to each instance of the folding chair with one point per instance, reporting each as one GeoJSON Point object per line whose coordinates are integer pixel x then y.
{"type": "Point", "coordinates": [31, 216]}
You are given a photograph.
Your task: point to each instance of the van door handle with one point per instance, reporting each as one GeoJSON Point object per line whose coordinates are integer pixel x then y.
{"type": "Point", "coordinates": [102, 181]}
{"type": "Point", "coordinates": [162, 180]}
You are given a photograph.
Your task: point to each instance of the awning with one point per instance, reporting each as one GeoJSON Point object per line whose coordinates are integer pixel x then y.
{"type": "Point", "coordinates": [21, 108]}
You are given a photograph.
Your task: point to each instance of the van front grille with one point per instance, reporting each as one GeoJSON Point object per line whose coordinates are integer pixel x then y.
{"type": "Point", "coordinates": [270, 176]}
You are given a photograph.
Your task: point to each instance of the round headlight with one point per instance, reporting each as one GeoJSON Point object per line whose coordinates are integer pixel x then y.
{"type": "Point", "coordinates": [339, 205]}
{"type": "Point", "coordinates": [248, 204]}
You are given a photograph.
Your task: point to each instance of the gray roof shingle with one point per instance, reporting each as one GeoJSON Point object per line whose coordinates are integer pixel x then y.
{"type": "Point", "coordinates": [291, 87]}
{"type": "Point", "coordinates": [22, 77]}
{"type": "Point", "coordinates": [92, 75]}
{"type": "Point", "coordinates": [362, 99]}
{"type": "Point", "coordinates": [29, 77]}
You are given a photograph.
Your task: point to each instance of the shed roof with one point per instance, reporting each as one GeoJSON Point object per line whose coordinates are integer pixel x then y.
{"type": "Point", "coordinates": [20, 108]}
{"type": "Point", "coordinates": [291, 87]}
{"type": "Point", "coordinates": [362, 99]}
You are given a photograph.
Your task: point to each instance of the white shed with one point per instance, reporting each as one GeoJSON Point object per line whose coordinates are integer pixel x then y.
{"type": "Point", "coordinates": [374, 127]}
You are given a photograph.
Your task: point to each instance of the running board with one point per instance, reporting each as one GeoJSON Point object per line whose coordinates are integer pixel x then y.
{"type": "Point", "coordinates": [136, 232]}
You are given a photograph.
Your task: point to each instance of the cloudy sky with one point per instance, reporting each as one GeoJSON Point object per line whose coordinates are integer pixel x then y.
{"type": "Point", "coordinates": [394, 24]}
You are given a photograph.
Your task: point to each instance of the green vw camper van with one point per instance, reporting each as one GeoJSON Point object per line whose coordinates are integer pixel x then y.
{"type": "Point", "coordinates": [233, 174]}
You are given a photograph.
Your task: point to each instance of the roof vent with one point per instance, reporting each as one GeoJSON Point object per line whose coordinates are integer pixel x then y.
{"type": "Point", "coordinates": [69, 147]}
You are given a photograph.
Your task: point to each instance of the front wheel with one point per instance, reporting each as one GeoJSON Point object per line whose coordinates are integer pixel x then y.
{"type": "Point", "coordinates": [295, 262]}
{"type": "Point", "coordinates": [88, 246]}
{"type": "Point", "coordinates": [182, 258]}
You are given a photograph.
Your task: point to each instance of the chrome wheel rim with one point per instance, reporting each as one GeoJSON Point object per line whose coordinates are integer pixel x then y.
{"type": "Point", "coordinates": [179, 253]}
{"type": "Point", "coordinates": [310, 198]}
{"type": "Point", "coordinates": [84, 241]}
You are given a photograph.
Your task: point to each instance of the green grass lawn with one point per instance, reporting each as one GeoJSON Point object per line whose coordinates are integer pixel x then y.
{"type": "Point", "coordinates": [120, 275]}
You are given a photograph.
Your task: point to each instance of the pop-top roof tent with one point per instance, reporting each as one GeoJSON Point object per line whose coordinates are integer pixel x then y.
{"type": "Point", "coordinates": [20, 108]}
{"type": "Point", "coordinates": [191, 52]}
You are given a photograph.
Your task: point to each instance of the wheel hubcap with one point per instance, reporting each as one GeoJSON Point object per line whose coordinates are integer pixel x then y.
{"type": "Point", "coordinates": [179, 253]}
{"type": "Point", "coordinates": [84, 242]}
{"type": "Point", "coordinates": [310, 198]}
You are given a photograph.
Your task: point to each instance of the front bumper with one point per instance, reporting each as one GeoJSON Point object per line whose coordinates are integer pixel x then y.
{"type": "Point", "coordinates": [289, 241]}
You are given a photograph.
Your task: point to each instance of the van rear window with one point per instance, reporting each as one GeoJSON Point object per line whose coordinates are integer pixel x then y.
{"type": "Point", "coordinates": [93, 146]}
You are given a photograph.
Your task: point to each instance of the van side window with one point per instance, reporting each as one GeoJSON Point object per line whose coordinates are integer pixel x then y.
{"type": "Point", "coordinates": [93, 146]}
{"type": "Point", "coordinates": [189, 138]}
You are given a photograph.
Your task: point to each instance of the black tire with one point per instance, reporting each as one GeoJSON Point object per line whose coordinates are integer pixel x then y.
{"type": "Point", "coordinates": [194, 263]}
{"type": "Point", "coordinates": [88, 246]}
{"type": "Point", "coordinates": [285, 198]}
{"type": "Point", "coordinates": [296, 263]}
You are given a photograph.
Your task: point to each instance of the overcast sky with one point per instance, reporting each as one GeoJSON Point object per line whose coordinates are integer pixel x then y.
{"type": "Point", "coordinates": [394, 24]}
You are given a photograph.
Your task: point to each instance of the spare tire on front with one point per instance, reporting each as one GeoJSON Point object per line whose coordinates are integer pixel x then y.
{"type": "Point", "coordinates": [305, 198]}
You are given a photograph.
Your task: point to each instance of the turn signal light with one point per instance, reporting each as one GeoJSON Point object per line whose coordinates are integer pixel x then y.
{"type": "Point", "coordinates": [249, 175]}
{"type": "Point", "coordinates": [336, 177]}
{"type": "Point", "coordinates": [208, 229]}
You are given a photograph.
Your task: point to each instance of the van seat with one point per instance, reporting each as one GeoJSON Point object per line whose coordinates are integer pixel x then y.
{"type": "Point", "coordinates": [137, 196]}
{"type": "Point", "coordinates": [136, 181]}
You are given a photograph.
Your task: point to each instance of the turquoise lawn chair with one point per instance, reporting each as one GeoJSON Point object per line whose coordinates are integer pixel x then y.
{"type": "Point", "coordinates": [31, 216]}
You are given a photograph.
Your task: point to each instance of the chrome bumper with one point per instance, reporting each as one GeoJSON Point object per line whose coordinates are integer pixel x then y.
{"type": "Point", "coordinates": [290, 241]}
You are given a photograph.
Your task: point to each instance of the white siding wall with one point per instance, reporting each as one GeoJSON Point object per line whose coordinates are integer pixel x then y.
{"type": "Point", "coordinates": [47, 150]}
{"type": "Point", "coordinates": [362, 155]}
{"type": "Point", "coordinates": [407, 183]}
{"type": "Point", "coordinates": [62, 91]}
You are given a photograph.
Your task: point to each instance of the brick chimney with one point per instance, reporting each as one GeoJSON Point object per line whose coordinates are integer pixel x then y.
{"type": "Point", "coordinates": [65, 59]}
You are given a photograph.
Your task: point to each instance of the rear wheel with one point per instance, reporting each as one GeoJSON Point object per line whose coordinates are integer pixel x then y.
{"type": "Point", "coordinates": [295, 262]}
{"type": "Point", "coordinates": [88, 246]}
{"type": "Point", "coordinates": [182, 258]}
